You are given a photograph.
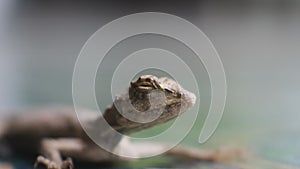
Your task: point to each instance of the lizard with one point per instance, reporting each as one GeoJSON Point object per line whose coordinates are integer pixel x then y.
{"type": "Point", "coordinates": [57, 135]}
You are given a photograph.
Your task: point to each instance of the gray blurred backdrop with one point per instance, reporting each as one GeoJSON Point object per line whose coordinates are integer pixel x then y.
{"type": "Point", "coordinates": [258, 42]}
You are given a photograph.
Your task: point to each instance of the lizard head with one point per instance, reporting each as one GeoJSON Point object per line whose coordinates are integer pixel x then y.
{"type": "Point", "coordinates": [148, 102]}
{"type": "Point", "coordinates": [175, 95]}
{"type": "Point", "coordinates": [169, 100]}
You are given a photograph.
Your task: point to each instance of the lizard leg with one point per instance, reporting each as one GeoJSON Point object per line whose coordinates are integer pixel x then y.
{"type": "Point", "coordinates": [149, 149]}
{"type": "Point", "coordinates": [53, 149]}
{"type": "Point", "coordinates": [221, 154]}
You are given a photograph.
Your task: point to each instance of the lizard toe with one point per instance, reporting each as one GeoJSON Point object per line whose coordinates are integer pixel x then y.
{"type": "Point", "coordinates": [52, 165]}
{"type": "Point", "coordinates": [46, 163]}
{"type": "Point", "coordinates": [67, 164]}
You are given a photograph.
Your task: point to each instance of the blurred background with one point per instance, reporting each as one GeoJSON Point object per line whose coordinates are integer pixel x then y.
{"type": "Point", "coordinates": [258, 42]}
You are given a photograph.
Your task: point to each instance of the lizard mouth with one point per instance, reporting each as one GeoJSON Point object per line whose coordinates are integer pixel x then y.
{"type": "Point", "coordinates": [146, 82]}
{"type": "Point", "coordinates": [145, 86]}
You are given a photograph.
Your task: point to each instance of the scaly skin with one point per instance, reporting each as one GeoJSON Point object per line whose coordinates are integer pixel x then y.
{"type": "Point", "coordinates": [56, 132]}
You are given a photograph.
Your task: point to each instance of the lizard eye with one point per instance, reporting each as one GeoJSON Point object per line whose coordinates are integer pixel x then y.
{"type": "Point", "coordinates": [169, 90]}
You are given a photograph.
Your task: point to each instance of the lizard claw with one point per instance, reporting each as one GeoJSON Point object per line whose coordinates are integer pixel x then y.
{"type": "Point", "coordinates": [45, 162]}
{"type": "Point", "coordinates": [67, 164]}
{"type": "Point", "coordinates": [52, 165]}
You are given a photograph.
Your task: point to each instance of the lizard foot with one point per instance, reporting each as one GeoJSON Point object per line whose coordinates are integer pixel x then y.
{"type": "Point", "coordinates": [45, 162]}
{"type": "Point", "coordinates": [67, 164]}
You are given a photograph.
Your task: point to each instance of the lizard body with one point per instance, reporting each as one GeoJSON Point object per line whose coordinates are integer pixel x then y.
{"type": "Point", "coordinates": [57, 133]}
